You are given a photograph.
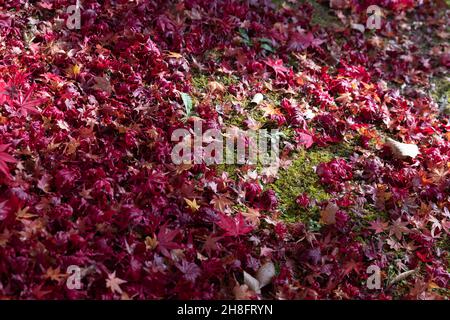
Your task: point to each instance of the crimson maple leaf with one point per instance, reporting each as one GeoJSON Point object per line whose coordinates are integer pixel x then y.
{"type": "Point", "coordinates": [165, 237]}
{"type": "Point", "coordinates": [221, 202]}
{"type": "Point", "coordinates": [378, 226]}
{"type": "Point", "coordinates": [4, 94]}
{"type": "Point", "coordinates": [277, 66]}
{"type": "Point", "coordinates": [305, 139]}
{"type": "Point", "coordinates": [398, 228]}
{"type": "Point", "coordinates": [26, 105]}
{"type": "Point", "coordinates": [210, 244]}
{"type": "Point", "coordinates": [301, 41]}
{"type": "Point", "coordinates": [4, 158]}
{"type": "Point", "coordinates": [350, 266]}
{"type": "Point", "coordinates": [234, 226]}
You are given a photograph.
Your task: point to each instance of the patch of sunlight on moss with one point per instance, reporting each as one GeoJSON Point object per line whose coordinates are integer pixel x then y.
{"type": "Point", "coordinates": [301, 177]}
{"type": "Point", "coordinates": [278, 2]}
{"type": "Point", "coordinates": [200, 81]}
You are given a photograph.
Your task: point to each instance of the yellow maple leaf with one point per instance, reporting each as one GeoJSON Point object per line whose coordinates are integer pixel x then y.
{"type": "Point", "coordinates": [192, 204]}
{"type": "Point", "coordinates": [175, 55]}
{"type": "Point", "coordinates": [74, 71]}
{"type": "Point", "coordinates": [23, 214]}
{"type": "Point", "coordinates": [151, 243]}
{"type": "Point", "coordinates": [71, 146]}
{"type": "Point", "coordinates": [54, 274]}
{"type": "Point", "coordinates": [270, 110]}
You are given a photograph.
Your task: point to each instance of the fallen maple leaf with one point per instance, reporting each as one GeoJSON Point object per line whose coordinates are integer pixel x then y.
{"type": "Point", "coordinates": [328, 215]}
{"type": "Point", "coordinates": [192, 204]}
{"type": "Point", "coordinates": [242, 292]}
{"type": "Point", "coordinates": [165, 243]}
{"type": "Point", "coordinates": [378, 226]}
{"type": "Point", "coordinates": [4, 159]}
{"type": "Point", "coordinates": [26, 105]}
{"type": "Point", "coordinates": [277, 66]}
{"type": "Point", "coordinates": [252, 215]}
{"type": "Point", "coordinates": [4, 209]}
{"type": "Point", "coordinates": [233, 226]}
{"type": "Point", "coordinates": [55, 274]}
{"type": "Point", "coordinates": [114, 283]}
{"type": "Point", "coordinates": [221, 202]}
{"type": "Point", "coordinates": [270, 110]}
{"type": "Point", "coordinates": [398, 228]}
{"type": "Point", "coordinates": [191, 270]}
{"type": "Point", "coordinates": [301, 41]}
{"type": "Point", "coordinates": [305, 139]}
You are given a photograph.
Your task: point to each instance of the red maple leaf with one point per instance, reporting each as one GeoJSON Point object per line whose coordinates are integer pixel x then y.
{"type": "Point", "coordinates": [165, 243]}
{"type": "Point", "coordinates": [301, 41]}
{"type": "Point", "coordinates": [350, 266]}
{"type": "Point", "coordinates": [4, 158]}
{"type": "Point", "coordinates": [277, 66]}
{"type": "Point", "coordinates": [378, 226]}
{"type": "Point", "coordinates": [234, 226]}
{"type": "Point", "coordinates": [26, 105]}
{"type": "Point", "coordinates": [305, 139]}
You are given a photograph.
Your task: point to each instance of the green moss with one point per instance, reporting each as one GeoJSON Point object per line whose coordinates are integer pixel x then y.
{"type": "Point", "coordinates": [343, 149]}
{"type": "Point", "coordinates": [227, 80]}
{"type": "Point", "coordinates": [200, 82]}
{"type": "Point", "coordinates": [300, 177]}
{"type": "Point", "coordinates": [372, 214]}
{"type": "Point", "coordinates": [441, 92]}
{"type": "Point", "coordinates": [235, 120]}
{"type": "Point", "coordinates": [238, 208]}
{"type": "Point", "coordinates": [273, 96]}
{"type": "Point", "coordinates": [278, 3]}
{"type": "Point", "coordinates": [231, 169]}
{"type": "Point", "coordinates": [444, 244]}
{"type": "Point", "coordinates": [322, 14]}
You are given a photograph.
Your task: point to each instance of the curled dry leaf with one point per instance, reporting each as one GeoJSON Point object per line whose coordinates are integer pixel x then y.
{"type": "Point", "coordinates": [402, 276]}
{"type": "Point", "coordinates": [252, 283]}
{"type": "Point", "coordinates": [257, 98]}
{"type": "Point", "coordinates": [402, 150]}
{"type": "Point", "coordinates": [359, 27]}
{"type": "Point", "coordinates": [265, 274]}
